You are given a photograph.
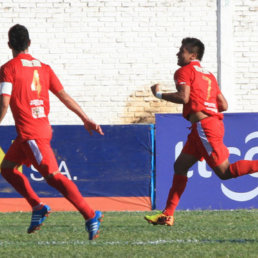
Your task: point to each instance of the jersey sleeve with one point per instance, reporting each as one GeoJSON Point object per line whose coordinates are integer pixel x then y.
{"type": "Point", "coordinates": [219, 91]}
{"type": "Point", "coordinates": [6, 81]}
{"type": "Point", "coordinates": [217, 86]}
{"type": "Point", "coordinates": [182, 77]}
{"type": "Point", "coordinates": [54, 84]}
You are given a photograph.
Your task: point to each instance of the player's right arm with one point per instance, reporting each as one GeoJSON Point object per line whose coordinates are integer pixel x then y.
{"type": "Point", "coordinates": [5, 90]}
{"type": "Point", "coordinates": [4, 104]}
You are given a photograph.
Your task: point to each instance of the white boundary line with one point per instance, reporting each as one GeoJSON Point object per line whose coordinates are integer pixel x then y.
{"type": "Point", "coordinates": [125, 243]}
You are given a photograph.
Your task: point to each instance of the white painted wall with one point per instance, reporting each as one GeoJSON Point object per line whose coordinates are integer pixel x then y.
{"type": "Point", "coordinates": [108, 53]}
{"type": "Point", "coordinates": [245, 38]}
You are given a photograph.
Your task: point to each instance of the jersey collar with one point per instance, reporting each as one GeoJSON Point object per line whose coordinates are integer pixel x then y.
{"type": "Point", "coordinates": [23, 55]}
{"type": "Point", "coordinates": [196, 61]}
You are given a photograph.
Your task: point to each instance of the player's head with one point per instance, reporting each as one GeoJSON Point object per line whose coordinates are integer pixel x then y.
{"type": "Point", "coordinates": [191, 49]}
{"type": "Point", "coordinates": [19, 39]}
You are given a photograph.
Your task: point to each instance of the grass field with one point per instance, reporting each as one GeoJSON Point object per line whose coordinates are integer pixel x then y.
{"type": "Point", "coordinates": [127, 234]}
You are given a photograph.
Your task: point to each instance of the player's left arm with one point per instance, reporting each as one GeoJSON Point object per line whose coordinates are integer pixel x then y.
{"type": "Point", "coordinates": [71, 104]}
{"type": "Point", "coordinates": [4, 104]}
{"type": "Point", "coordinates": [57, 89]}
{"type": "Point", "coordinates": [222, 102]}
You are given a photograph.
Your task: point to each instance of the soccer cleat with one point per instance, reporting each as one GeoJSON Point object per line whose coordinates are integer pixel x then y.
{"type": "Point", "coordinates": [92, 225]}
{"type": "Point", "coordinates": [160, 219]}
{"type": "Point", "coordinates": [38, 218]}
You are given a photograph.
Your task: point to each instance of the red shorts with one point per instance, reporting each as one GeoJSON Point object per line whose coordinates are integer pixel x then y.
{"type": "Point", "coordinates": [206, 141]}
{"type": "Point", "coordinates": [33, 152]}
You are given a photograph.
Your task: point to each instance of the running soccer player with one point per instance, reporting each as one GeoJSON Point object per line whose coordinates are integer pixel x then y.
{"type": "Point", "coordinates": [24, 85]}
{"type": "Point", "coordinates": [203, 102]}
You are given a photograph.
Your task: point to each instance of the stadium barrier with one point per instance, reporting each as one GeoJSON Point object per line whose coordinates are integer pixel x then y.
{"type": "Point", "coordinates": [121, 171]}
{"type": "Point", "coordinates": [113, 172]}
{"type": "Point", "coordinates": [204, 189]}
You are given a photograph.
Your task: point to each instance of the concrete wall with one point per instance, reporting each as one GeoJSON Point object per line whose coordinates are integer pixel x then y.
{"type": "Point", "coordinates": [107, 53]}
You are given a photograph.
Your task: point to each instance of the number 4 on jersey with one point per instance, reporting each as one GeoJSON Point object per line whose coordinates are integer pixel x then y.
{"type": "Point", "coordinates": [35, 85]}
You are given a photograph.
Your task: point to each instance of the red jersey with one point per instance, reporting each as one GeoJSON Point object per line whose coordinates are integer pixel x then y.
{"type": "Point", "coordinates": [28, 81]}
{"type": "Point", "coordinates": [204, 89]}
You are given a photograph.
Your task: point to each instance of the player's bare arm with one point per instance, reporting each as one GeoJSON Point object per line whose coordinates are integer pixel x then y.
{"type": "Point", "coordinates": [71, 104]}
{"type": "Point", "coordinates": [4, 104]}
{"type": "Point", "coordinates": [181, 96]}
{"type": "Point", "coordinates": [222, 103]}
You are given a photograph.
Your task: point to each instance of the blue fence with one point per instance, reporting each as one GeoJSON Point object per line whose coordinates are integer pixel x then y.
{"type": "Point", "coordinates": [204, 189]}
{"type": "Point", "coordinates": [118, 164]}
{"type": "Point", "coordinates": [122, 163]}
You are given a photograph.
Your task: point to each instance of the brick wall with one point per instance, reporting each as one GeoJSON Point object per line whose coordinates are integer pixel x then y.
{"type": "Point", "coordinates": [108, 53]}
{"type": "Point", "coordinates": [245, 22]}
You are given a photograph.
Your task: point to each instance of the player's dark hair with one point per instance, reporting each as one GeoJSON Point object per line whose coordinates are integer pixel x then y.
{"type": "Point", "coordinates": [194, 45]}
{"type": "Point", "coordinates": [19, 39]}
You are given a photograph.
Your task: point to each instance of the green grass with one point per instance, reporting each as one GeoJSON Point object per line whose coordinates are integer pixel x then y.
{"type": "Point", "coordinates": [127, 234]}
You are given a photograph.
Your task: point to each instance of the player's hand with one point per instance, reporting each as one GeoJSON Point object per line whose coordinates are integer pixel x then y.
{"type": "Point", "coordinates": [155, 88]}
{"type": "Point", "coordinates": [90, 126]}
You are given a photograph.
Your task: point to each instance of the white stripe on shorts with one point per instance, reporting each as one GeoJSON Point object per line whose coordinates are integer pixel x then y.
{"type": "Point", "coordinates": [204, 139]}
{"type": "Point", "coordinates": [36, 152]}
{"type": "Point", "coordinates": [6, 88]}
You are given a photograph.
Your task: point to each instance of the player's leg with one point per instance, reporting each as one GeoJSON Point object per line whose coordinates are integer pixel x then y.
{"type": "Point", "coordinates": [242, 167]}
{"type": "Point", "coordinates": [185, 160]}
{"type": "Point", "coordinates": [188, 157]}
{"type": "Point", "coordinates": [9, 170]}
{"type": "Point", "coordinates": [183, 163]}
{"type": "Point", "coordinates": [211, 132]}
{"type": "Point", "coordinates": [222, 170]}
{"type": "Point", "coordinates": [181, 167]}
{"type": "Point", "coordinates": [22, 185]}
{"type": "Point", "coordinates": [49, 170]}
{"type": "Point", "coordinates": [71, 192]}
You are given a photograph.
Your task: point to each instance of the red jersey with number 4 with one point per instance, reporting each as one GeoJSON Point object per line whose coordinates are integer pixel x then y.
{"type": "Point", "coordinates": [28, 81]}
{"type": "Point", "coordinates": [204, 89]}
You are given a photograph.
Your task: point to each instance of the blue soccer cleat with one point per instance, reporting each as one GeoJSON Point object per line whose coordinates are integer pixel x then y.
{"type": "Point", "coordinates": [37, 218]}
{"type": "Point", "coordinates": [92, 225]}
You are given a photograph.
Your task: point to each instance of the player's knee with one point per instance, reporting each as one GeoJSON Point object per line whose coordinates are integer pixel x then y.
{"type": "Point", "coordinates": [179, 168]}
{"type": "Point", "coordinates": [6, 172]}
{"type": "Point", "coordinates": [7, 165]}
{"type": "Point", "coordinates": [53, 177]}
{"type": "Point", "coordinates": [176, 167]}
{"type": "Point", "coordinates": [223, 175]}
{"type": "Point", "coordinates": [4, 164]}
{"type": "Point", "coordinates": [2, 170]}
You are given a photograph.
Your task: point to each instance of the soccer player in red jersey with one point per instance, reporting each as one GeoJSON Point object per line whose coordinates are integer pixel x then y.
{"type": "Point", "coordinates": [203, 102]}
{"type": "Point", "coordinates": [25, 83]}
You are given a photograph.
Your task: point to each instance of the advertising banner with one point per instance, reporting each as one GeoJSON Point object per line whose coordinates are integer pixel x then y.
{"type": "Point", "coordinates": [113, 172]}
{"type": "Point", "coordinates": [204, 189]}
